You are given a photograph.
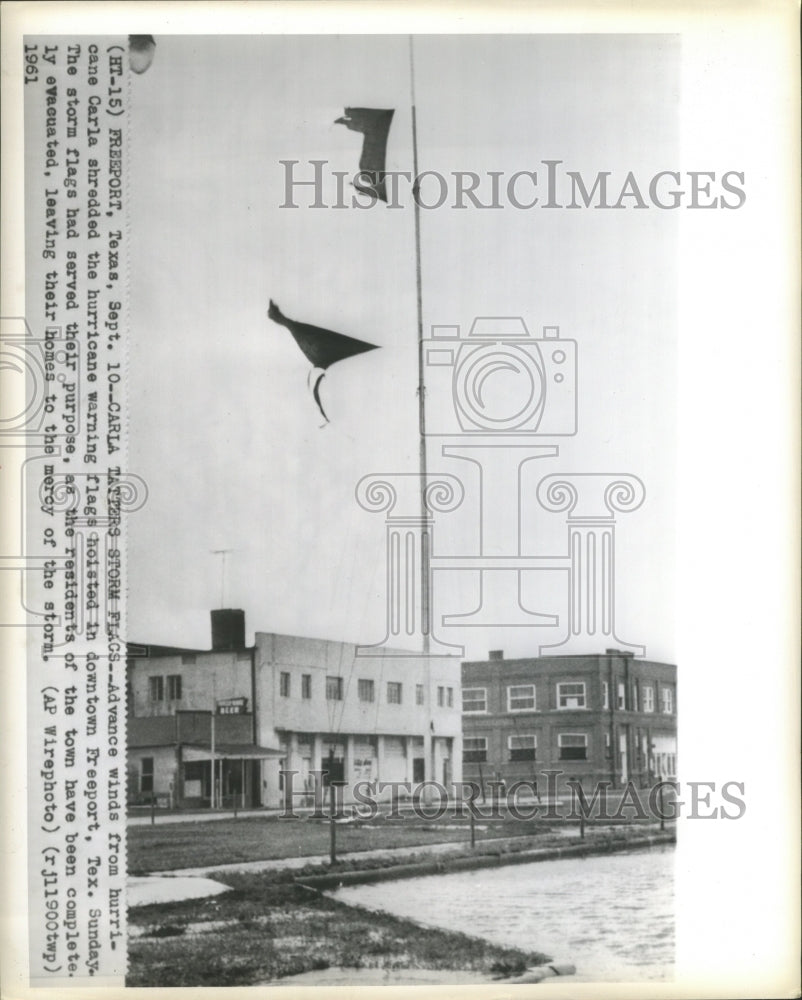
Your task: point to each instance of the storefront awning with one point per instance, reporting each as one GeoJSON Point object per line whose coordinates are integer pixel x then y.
{"type": "Point", "coordinates": [229, 751]}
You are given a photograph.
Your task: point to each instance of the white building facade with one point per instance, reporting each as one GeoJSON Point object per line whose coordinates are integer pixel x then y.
{"type": "Point", "coordinates": [245, 713]}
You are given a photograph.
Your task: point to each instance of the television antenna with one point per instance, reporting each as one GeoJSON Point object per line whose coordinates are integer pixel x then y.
{"type": "Point", "coordinates": [222, 553]}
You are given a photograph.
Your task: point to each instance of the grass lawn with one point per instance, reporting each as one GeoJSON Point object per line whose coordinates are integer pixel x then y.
{"type": "Point", "coordinates": [254, 838]}
{"type": "Point", "coordinates": [268, 927]}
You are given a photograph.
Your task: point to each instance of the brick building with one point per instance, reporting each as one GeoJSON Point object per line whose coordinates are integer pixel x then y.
{"type": "Point", "coordinates": [606, 716]}
{"type": "Point", "coordinates": [246, 712]}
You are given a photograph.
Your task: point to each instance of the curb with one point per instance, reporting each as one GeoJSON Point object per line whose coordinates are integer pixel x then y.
{"type": "Point", "coordinates": [446, 865]}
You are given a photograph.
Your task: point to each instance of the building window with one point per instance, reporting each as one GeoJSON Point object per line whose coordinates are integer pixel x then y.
{"type": "Point", "coordinates": [146, 774]}
{"type": "Point", "coordinates": [474, 749]}
{"type": "Point", "coordinates": [648, 698]}
{"type": "Point", "coordinates": [622, 695]}
{"type": "Point", "coordinates": [393, 693]}
{"type": "Point", "coordinates": [521, 698]}
{"type": "Point", "coordinates": [334, 689]}
{"type": "Point", "coordinates": [365, 689]}
{"type": "Point", "coordinates": [667, 700]}
{"type": "Point", "coordinates": [608, 745]}
{"type": "Point", "coordinates": [571, 695]}
{"type": "Point", "coordinates": [450, 697]}
{"type": "Point", "coordinates": [418, 694]}
{"type": "Point", "coordinates": [474, 700]}
{"type": "Point", "coordinates": [284, 684]}
{"type": "Point", "coordinates": [174, 687]}
{"type": "Point", "coordinates": [573, 746]}
{"type": "Point", "coordinates": [635, 697]}
{"type": "Point", "coordinates": [156, 688]}
{"type": "Point", "coordinates": [196, 770]}
{"type": "Point", "coordinates": [522, 747]}
{"type": "Point", "coordinates": [306, 685]}
{"type": "Point", "coordinates": [605, 694]}
{"type": "Point", "coordinates": [441, 697]}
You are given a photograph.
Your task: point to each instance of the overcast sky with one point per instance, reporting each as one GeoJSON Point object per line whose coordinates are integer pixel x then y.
{"type": "Point", "coordinates": [222, 425]}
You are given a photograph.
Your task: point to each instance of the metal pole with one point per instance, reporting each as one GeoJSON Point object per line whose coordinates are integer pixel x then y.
{"type": "Point", "coordinates": [214, 778]}
{"type": "Point", "coordinates": [332, 806]}
{"type": "Point", "coordinates": [223, 553]}
{"type": "Point", "coordinates": [662, 813]}
{"type": "Point", "coordinates": [179, 760]}
{"type": "Point", "coordinates": [473, 828]}
{"type": "Point", "coordinates": [611, 694]}
{"type": "Point", "coordinates": [153, 808]}
{"type": "Point", "coordinates": [425, 567]}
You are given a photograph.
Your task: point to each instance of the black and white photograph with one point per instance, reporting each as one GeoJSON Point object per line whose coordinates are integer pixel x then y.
{"type": "Point", "coordinates": [418, 295]}
{"type": "Point", "coordinates": [387, 456]}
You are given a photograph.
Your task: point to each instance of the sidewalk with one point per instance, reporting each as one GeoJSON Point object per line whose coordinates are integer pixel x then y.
{"type": "Point", "coordinates": [293, 863]}
{"type": "Point", "coordinates": [194, 883]}
{"type": "Point", "coordinates": [142, 816]}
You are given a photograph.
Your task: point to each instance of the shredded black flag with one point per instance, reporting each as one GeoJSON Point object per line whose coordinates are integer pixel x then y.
{"type": "Point", "coordinates": [375, 125]}
{"type": "Point", "coordinates": [322, 347]}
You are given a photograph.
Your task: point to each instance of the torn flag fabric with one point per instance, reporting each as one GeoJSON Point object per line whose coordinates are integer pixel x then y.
{"type": "Point", "coordinates": [322, 347]}
{"type": "Point", "coordinates": [374, 123]}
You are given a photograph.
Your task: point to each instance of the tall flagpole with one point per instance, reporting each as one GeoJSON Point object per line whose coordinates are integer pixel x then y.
{"type": "Point", "coordinates": [425, 568]}
{"type": "Point", "coordinates": [425, 537]}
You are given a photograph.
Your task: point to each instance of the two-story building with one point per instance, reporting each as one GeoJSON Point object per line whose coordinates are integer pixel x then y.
{"type": "Point", "coordinates": [598, 717]}
{"type": "Point", "coordinates": [244, 713]}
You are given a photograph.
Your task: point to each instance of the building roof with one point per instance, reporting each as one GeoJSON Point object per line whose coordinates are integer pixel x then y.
{"type": "Point", "coordinates": [566, 659]}
{"type": "Point", "coordinates": [144, 650]}
{"type": "Point", "coordinates": [229, 751]}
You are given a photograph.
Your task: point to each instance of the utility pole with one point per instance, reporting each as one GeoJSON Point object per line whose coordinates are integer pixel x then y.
{"type": "Point", "coordinates": [332, 808]}
{"type": "Point", "coordinates": [214, 764]}
{"type": "Point", "coordinates": [211, 743]}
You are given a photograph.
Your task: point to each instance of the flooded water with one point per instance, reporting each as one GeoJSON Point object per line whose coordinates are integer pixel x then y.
{"type": "Point", "coordinates": [146, 889]}
{"type": "Point", "coordinates": [610, 915]}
